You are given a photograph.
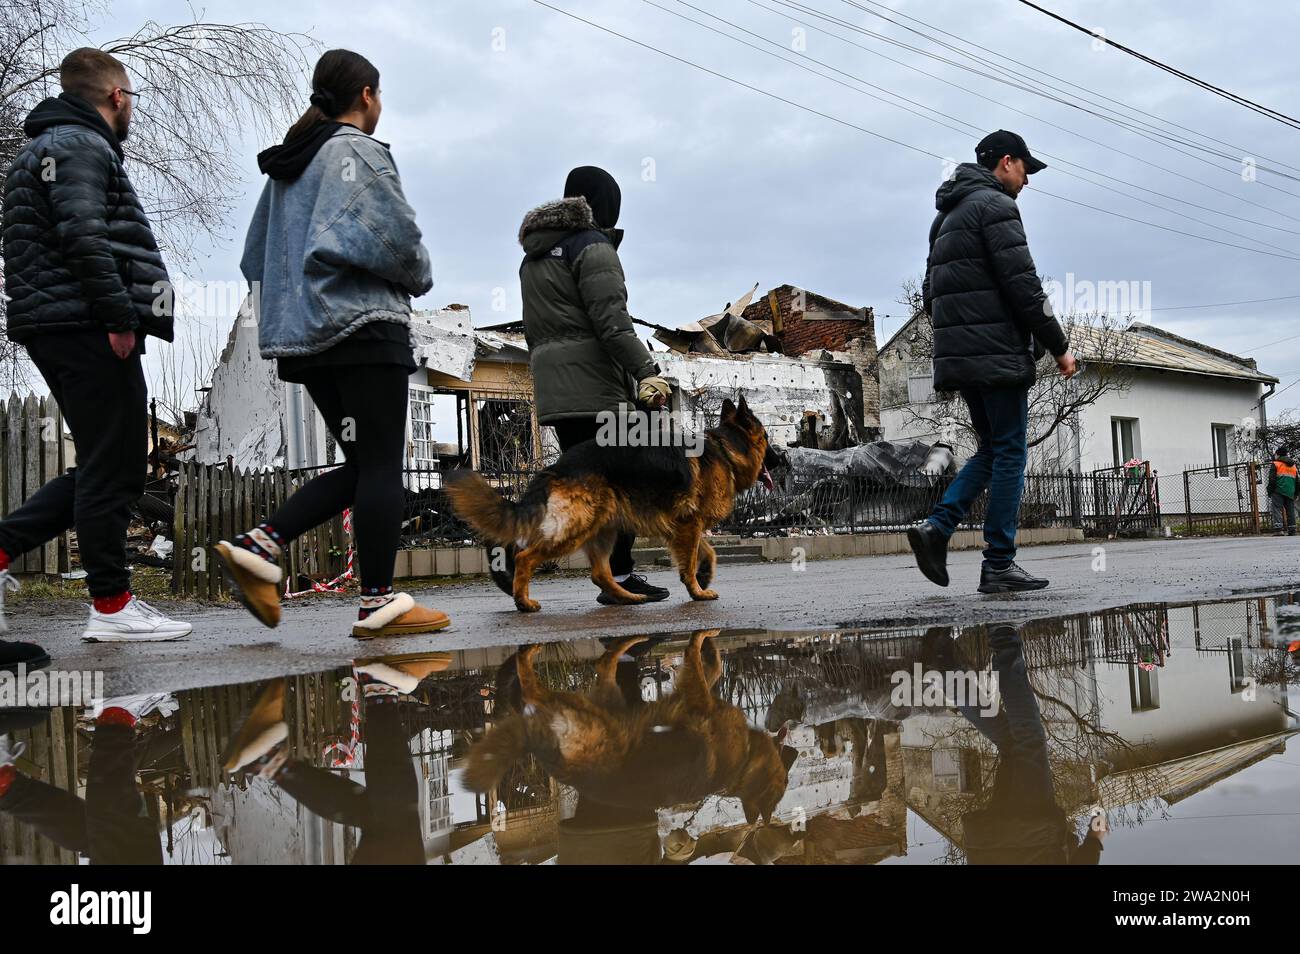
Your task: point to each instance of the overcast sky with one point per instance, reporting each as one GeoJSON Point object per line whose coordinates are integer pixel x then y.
{"type": "Point", "coordinates": [488, 103]}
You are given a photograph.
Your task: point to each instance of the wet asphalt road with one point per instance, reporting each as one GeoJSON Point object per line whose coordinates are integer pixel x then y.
{"type": "Point", "coordinates": [229, 646]}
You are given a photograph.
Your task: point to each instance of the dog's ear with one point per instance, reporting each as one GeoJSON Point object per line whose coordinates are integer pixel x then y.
{"type": "Point", "coordinates": [728, 410]}
{"type": "Point", "coordinates": [744, 414]}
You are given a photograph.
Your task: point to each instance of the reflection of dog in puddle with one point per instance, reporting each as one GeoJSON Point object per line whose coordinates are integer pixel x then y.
{"type": "Point", "coordinates": [655, 755]}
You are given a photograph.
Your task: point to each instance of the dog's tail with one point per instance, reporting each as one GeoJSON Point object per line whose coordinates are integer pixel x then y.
{"type": "Point", "coordinates": [490, 757]}
{"type": "Point", "coordinates": [484, 508]}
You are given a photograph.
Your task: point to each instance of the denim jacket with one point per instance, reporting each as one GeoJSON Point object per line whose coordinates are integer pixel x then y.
{"type": "Point", "coordinates": [334, 249]}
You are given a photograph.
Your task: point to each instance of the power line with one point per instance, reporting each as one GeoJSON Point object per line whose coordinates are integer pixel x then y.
{"type": "Point", "coordinates": [1015, 82]}
{"type": "Point", "coordinates": [1225, 304]}
{"type": "Point", "coordinates": [969, 126]}
{"type": "Point", "coordinates": [1145, 161]}
{"type": "Point", "coordinates": [890, 139]}
{"type": "Point", "coordinates": [1014, 78]}
{"type": "Point", "coordinates": [1125, 106]}
{"type": "Point", "coordinates": [1213, 304]}
{"type": "Point", "coordinates": [1267, 111]}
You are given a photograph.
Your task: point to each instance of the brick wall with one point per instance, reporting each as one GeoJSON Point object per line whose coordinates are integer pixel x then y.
{"type": "Point", "coordinates": [855, 333]}
{"type": "Point", "coordinates": [799, 334]}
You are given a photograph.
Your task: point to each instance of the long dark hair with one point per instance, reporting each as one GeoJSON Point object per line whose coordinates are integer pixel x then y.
{"type": "Point", "coordinates": [336, 83]}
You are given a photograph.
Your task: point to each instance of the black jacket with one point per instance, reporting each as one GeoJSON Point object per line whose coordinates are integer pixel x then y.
{"type": "Point", "coordinates": [79, 253]}
{"type": "Point", "coordinates": [981, 289]}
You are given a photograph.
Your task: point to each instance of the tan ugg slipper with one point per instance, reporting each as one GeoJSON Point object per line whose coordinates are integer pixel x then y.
{"type": "Point", "coordinates": [253, 581]}
{"type": "Point", "coordinates": [400, 617]}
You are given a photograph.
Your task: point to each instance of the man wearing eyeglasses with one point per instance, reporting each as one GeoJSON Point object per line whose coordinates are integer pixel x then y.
{"type": "Point", "coordinates": [85, 284]}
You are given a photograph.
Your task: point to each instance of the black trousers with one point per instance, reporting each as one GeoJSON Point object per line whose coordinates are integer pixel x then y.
{"type": "Point", "coordinates": [364, 407]}
{"type": "Point", "coordinates": [111, 827]}
{"type": "Point", "coordinates": [572, 432]}
{"type": "Point", "coordinates": [103, 400]}
{"type": "Point", "coordinates": [386, 808]}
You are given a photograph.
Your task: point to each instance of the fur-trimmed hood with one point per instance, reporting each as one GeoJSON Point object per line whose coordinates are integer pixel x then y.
{"type": "Point", "coordinates": [561, 215]}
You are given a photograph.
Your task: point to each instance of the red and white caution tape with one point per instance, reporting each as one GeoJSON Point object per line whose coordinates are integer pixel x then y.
{"type": "Point", "coordinates": [335, 585]}
{"type": "Point", "coordinates": [347, 751]}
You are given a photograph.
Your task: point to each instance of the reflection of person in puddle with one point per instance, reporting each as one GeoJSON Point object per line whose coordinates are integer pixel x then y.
{"type": "Point", "coordinates": [1022, 824]}
{"type": "Point", "coordinates": [627, 758]}
{"type": "Point", "coordinates": [386, 808]}
{"type": "Point", "coordinates": [112, 825]}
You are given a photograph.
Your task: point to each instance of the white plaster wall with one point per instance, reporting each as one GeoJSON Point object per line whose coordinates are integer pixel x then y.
{"type": "Point", "coordinates": [241, 416]}
{"type": "Point", "coordinates": [1174, 411]}
{"type": "Point", "coordinates": [778, 390]}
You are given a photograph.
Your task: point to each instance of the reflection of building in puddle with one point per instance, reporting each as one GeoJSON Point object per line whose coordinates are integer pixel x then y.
{"type": "Point", "coordinates": [1142, 707]}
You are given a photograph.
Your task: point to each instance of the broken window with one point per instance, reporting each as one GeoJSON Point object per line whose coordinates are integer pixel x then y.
{"type": "Point", "coordinates": [505, 435]}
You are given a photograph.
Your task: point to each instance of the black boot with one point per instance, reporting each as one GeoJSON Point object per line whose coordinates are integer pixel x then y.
{"type": "Point", "coordinates": [27, 654]}
{"type": "Point", "coordinates": [1008, 579]}
{"type": "Point", "coordinates": [931, 549]}
{"type": "Point", "coordinates": [638, 584]}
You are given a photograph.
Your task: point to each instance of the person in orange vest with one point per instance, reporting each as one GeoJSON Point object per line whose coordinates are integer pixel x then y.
{"type": "Point", "coordinates": [1281, 492]}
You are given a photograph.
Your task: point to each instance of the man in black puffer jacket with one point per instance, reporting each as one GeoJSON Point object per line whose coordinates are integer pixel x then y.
{"type": "Point", "coordinates": [85, 284]}
{"type": "Point", "coordinates": [991, 320]}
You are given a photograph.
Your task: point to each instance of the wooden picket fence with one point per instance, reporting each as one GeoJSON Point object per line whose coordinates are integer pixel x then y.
{"type": "Point", "coordinates": [31, 448]}
{"type": "Point", "coordinates": [215, 502]}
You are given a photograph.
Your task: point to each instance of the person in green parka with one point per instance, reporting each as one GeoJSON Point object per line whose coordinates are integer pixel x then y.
{"type": "Point", "coordinates": [585, 356]}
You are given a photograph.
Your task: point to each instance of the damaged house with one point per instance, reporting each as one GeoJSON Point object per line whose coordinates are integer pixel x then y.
{"type": "Point", "coordinates": [806, 364]}
{"type": "Point", "coordinates": [477, 378]}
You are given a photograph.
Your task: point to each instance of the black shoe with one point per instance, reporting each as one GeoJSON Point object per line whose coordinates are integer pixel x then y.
{"type": "Point", "coordinates": [1008, 579]}
{"type": "Point", "coordinates": [28, 654]}
{"type": "Point", "coordinates": [931, 549]}
{"type": "Point", "coordinates": [504, 579]}
{"type": "Point", "coordinates": [638, 584]}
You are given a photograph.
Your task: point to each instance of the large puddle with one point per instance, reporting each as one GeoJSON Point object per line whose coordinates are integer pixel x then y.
{"type": "Point", "coordinates": [1151, 733]}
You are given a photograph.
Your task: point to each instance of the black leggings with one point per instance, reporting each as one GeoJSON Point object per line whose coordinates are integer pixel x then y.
{"type": "Point", "coordinates": [570, 433]}
{"type": "Point", "coordinates": [364, 407]}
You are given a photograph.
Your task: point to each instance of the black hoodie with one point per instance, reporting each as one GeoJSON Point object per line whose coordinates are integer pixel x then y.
{"type": "Point", "coordinates": [981, 288]}
{"type": "Point", "coordinates": [69, 110]}
{"type": "Point", "coordinates": [600, 190]}
{"type": "Point", "coordinates": [288, 160]}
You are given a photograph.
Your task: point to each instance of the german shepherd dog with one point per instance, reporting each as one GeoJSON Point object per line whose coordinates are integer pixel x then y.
{"type": "Point", "coordinates": [593, 492]}
{"type": "Point", "coordinates": [678, 749]}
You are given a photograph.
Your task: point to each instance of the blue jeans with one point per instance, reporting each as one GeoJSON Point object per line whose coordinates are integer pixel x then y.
{"type": "Point", "coordinates": [1001, 419]}
{"type": "Point", "coordinates": [1023, 782]}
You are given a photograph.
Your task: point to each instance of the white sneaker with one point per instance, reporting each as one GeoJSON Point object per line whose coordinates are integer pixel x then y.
{"type": "Point", "coordinates": [8, 583]}
{"type": "Point", "coordinates": [10, 753]}
{"type": "Point", "coordinates": [139, 706]}
{"type": "Point", "coordinates": [136, 622]}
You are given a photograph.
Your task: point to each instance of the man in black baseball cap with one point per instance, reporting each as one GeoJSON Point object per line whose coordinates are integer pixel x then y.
{"type": "Point", "coordinates": [992, 321]}
{"type": "Point", "coordinates": [1004, 145]}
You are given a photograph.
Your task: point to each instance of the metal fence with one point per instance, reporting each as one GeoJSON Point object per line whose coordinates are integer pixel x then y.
{"type": "Point", "coordinates": [214, 501]}
{"type": "Point", "coordinates": [1098, 504]}
{"type": "Point", "coordinates": [1226, 498]}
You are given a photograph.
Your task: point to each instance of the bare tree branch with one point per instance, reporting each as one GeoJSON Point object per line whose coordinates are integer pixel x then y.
{"type": "Point", "coordinates": [204, 87]}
